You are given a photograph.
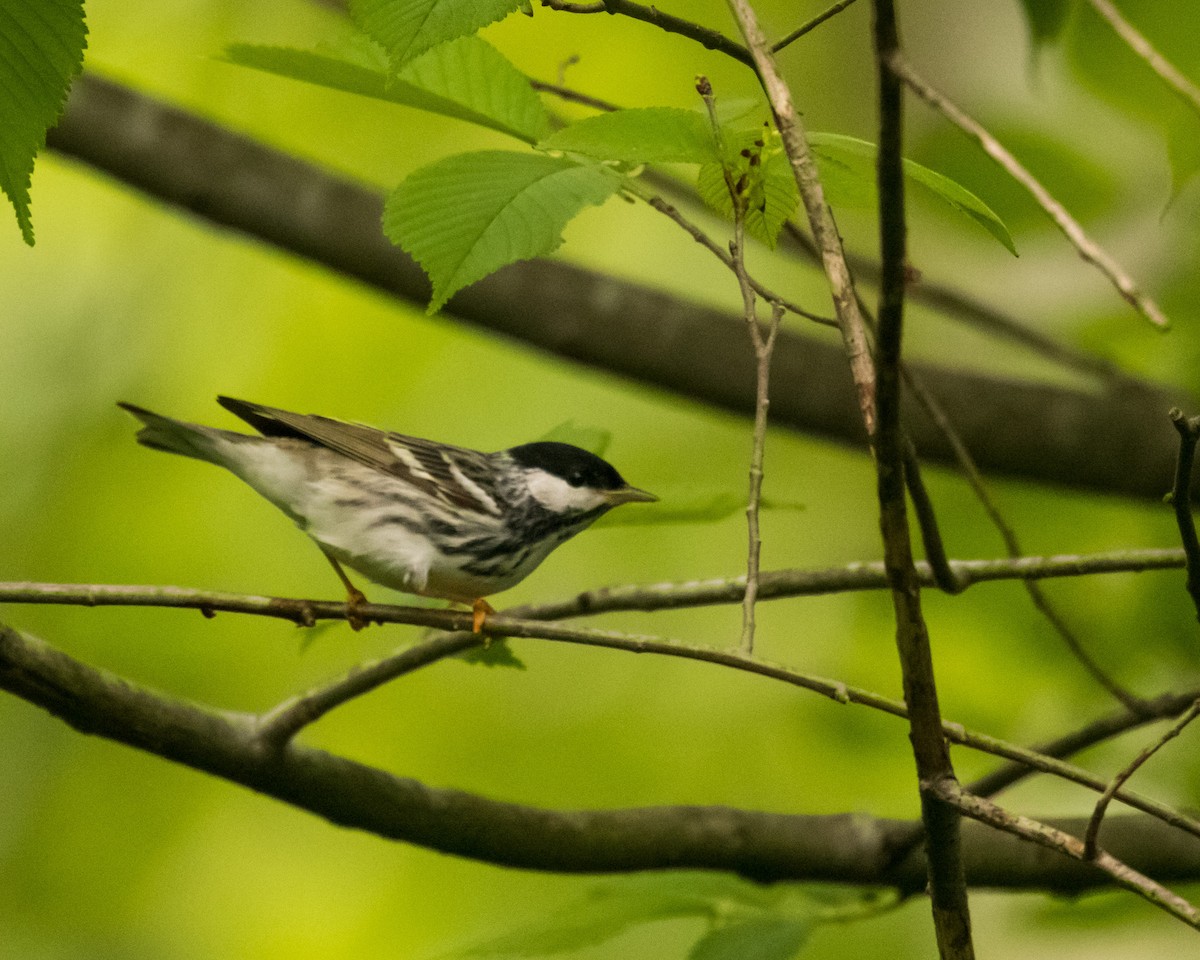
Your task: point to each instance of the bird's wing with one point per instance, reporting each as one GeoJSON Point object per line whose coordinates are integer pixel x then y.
{"type": "Point", "coordinates": [437, 469]}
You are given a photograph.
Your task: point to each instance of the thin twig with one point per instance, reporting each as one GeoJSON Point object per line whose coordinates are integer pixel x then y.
{"type": "Point", "coordinates": [672, 212]}
{"type": "Point", "coordinates": [810, 25]}
{"type": "Point", "coordinates": [279, 725]}
{"type": "Point", "coordinates": [1167, 71]}
{"type": "Point", "coordinates": [1040, 601]}
{"type": "Point", "coordinates": [1088, 249]}
{"type": "Point", "coordinates": [1189, 432]}
{"type": "Point", "coordinates": [706, 37]}
{"type": "Point", "coordinates": [572, 96]}
{"type": "Point", "coordinates": [763, 347]}
{"type": "Point", "coordinates": [931, 536]}
{"type": "Point", "coordinates": [1092, 835]}
{"type": "Point", "coordinates": [962, 307]}
{"type": "Point", "coordinates": [1091, 733]}
{"type": "Point", "coordinates": [1044, 835]}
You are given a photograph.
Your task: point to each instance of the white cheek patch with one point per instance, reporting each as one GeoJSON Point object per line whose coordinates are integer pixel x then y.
{"type": "Point", "coordinates": [558, 496]}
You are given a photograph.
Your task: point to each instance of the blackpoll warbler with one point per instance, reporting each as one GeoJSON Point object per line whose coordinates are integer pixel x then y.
{"type": "Point", "coordinates": [411, 514]}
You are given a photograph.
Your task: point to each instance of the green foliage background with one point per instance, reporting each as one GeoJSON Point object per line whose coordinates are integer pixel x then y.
{"type": "Point", "coordinates": [106, 852]}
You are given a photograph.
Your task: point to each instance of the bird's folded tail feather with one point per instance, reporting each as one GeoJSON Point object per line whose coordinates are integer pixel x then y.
{"type": "Point", "coordinates": [174, 436]}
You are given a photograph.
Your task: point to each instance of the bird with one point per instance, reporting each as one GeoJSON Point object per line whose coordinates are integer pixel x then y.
{"type": "Point", "coordinates": [414, 515]}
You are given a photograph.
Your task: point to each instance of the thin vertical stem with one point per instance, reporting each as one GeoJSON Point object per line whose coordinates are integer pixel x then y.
{"type": "Point", "coordinates": [947, 882]}
{"type": "Point", "coordinates": [763, 346]}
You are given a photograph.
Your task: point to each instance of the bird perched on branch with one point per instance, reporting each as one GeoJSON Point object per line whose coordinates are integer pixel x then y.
{"type": "Point", "coordinates": [415, 515]}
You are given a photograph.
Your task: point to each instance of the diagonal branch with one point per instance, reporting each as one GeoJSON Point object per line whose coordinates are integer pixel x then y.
{"type": "Point", "coordinates": [1052, 838]}
{"type": "Point", "coordinates": [1171, 75]}
{"type": "Point", "coordinates": [810, 25]}
{"type": "Point", "coordinates": [1088, 249]}
{"type": "Point", "coordinates": [1092, 834]}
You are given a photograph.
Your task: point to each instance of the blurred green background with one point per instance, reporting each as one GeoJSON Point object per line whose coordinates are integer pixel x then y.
{"type": "Point", "coordinates": [105, 852]}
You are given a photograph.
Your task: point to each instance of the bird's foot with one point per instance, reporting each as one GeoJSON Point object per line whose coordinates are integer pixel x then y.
{"type": "Point", "coordinates": [480, 610]}
{"type": "Point", "coordinates": [355, 598]}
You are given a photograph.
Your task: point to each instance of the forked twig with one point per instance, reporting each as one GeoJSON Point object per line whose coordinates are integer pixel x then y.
{"type": "Point", "coordinates": [1092, 835]}
{"type": "Point", "coordinates": [1044, 835]}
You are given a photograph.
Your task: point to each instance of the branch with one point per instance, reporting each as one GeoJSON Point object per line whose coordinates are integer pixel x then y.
{"type": "Point", "coordinates": [810, 25]}
{"type": "Point", "coordinates": [943, 839]}
{"type": "Point", "coordinates": [1072, 437]}
{"type": "Point", "coordinates": [1055, 839]}
{"type": "Point", "coordinates": [1189, 434]}
{"type": "Point", "coordinates": [1040, 601]}
{"type": "Point", "coordinates": [763, 346]}
{"type": "Point", "coordinates": [282, 723]}
{"type": "Point", "coordinates": [707, 38]}
{"type": "Point", "coordinates": [773, 585]}
{"type": "Point", "coordinates": [1167, 71]}
{"type": "Point", "coordinates": [1088, 249]}
{"type": "Point", "coordinates": [764, 846]}
{"type": "Point", "coordinates": [1092, 834]}
{"type": "Point", "coordinates": [672, 213]}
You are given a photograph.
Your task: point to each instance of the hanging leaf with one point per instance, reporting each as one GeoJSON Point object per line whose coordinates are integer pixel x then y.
{"type": "Point", "coordinates": [1045, 19]}
{"type": "Point", "coordinates": [407, 28]}
{"type": "Point", "coordinates": [847, 168]}
{"type": "Point", "coordinates": [41, 50]}
{"type": "Point", "coordinates": [469, 215]}
{"type": "Point", "coordinates": [467, 79]}
{"type": "Point", "coordinates": [646, 135]}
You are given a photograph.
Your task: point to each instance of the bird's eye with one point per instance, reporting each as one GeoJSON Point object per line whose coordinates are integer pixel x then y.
{"type": "Point", "coordinates": [575, 478]}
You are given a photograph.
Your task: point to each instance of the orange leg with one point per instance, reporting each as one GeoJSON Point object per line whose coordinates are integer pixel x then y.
{"type": "Point", "coordinates": [480, 611]}
{"type": "Point", "coordinates": [354, 597]}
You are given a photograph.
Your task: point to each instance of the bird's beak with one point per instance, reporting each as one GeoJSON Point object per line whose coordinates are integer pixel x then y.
{"type": "Point", "coordinates": [628, 495]}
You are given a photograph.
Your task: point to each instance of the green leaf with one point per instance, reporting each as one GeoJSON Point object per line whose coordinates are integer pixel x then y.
{"type": "Point", "coordinates": [407, 28]}
{"type": "Point", "coordinates": [847, 168]}
{"type": "Point", "coordinates": [760, 921]}
{"type": "Point", "coordinates": [41, 50]}
{"type": "Point", "coordinates": [495, 654]}
{"type": "Point", "coordinates": [771, 196]}
{"type": "Point", "coordinates": [592, 439]}
{"type": "Point", "coordinates": [1045, 19]}
{"type": "Point", "coordinates": [645, 135]}
{"type": "Point", "coordinates": [613, 908]}
{"type": "Point", "coordinates": [763, 937]}
{"type": "Point", "coordinates": [466, 216]}
{"type": "Point", "coordinates": [467, 79]}
{"type": "Point", "coordinates": [692, 507]}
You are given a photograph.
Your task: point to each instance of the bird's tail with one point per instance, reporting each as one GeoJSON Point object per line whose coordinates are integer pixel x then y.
{"type": "Point", "coordinates": [176, 436]}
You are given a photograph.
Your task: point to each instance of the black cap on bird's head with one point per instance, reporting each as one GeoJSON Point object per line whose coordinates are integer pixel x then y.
{"type": "Point", "coordinates": [579, 469]}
